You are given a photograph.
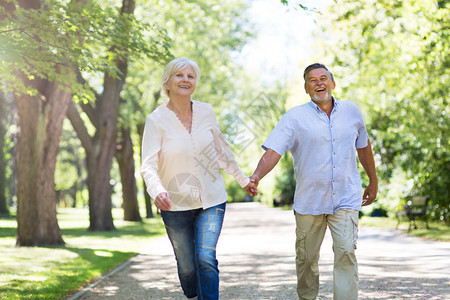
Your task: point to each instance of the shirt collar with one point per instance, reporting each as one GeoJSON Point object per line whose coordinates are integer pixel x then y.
{"type": "Point", "coordinates": [317, 108]}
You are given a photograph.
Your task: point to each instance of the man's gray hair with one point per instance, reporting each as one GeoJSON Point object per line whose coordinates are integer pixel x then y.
{"type": "Point", "coordinates": [316, 66]}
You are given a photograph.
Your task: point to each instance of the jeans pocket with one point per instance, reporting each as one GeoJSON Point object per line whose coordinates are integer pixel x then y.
{"type": "Point", "coordinates": [355, 222]}
{"type": "Point", "coordinates": [300, 245]}
{"type": "Point", "coordinates": [209, 225]}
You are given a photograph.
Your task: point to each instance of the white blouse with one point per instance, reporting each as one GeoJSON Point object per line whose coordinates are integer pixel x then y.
{"type": "Point", "coordinates": [187, 165]}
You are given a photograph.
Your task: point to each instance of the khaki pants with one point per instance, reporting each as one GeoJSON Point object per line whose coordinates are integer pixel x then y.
{"type": "Point", "coordinates": [310, 232]}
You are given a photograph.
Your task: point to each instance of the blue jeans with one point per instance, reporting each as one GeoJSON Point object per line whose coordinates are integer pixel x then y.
{"type": "Point", "coordinates": [194, 235]}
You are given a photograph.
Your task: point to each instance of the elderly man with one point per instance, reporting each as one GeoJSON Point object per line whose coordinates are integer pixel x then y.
{"type": "Point", "coordinates": [322, 136]}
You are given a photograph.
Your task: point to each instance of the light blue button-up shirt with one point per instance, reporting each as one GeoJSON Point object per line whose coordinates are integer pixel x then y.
{"type": "Point", "coordinates": [324, 152]}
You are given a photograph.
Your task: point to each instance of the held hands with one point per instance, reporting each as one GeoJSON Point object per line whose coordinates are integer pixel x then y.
{"type": "Point", "coordinates": [163, 201]}
{"type": "Point", "coordinates": [252, 186]}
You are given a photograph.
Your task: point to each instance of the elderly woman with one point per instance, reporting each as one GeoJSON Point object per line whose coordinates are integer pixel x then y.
{"type": "Point", "coordinates": [182, 153]}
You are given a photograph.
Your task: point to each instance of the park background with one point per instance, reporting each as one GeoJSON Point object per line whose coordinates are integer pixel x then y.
{"type": "Point", "coordinates": [79, 77]}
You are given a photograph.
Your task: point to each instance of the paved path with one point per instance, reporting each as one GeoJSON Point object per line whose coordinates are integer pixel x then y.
{"type": "Point", "coordinates": [256, 260]}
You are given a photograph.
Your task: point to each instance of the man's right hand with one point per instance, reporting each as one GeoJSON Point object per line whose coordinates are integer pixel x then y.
{"type": "Point", "coordinates": [251, 188]}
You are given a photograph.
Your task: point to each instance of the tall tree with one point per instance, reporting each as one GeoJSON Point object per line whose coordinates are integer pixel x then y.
{"type": "Point", "coordinates": [40, 123]}
{"type": "Point", "coordinates": [103, 114]}
{"type": "Point", "coordinates": [40, 117]}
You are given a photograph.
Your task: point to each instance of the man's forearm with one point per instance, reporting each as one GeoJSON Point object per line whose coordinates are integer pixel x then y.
{"type": "Point", "coordinates": [365, 156]}
{"type": "Point", "coordinates": [267, 162]}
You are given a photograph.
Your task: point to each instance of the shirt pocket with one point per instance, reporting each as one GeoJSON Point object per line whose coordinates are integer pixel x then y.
{"type": "Point", "coordinates": [347, 146]}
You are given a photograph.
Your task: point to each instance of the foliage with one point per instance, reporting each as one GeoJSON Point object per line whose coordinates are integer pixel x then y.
{"type": "Point", "coordinates": [234, 190]}
{"type": "Point", "coordinates": [210, 33]}
{"type": "Point", "coordinates": [66, 171]}
{"type": "Point", "coordinates": [56, 272]}
{"type": "Point", "coordinates": [206, 32]}
{"type": "Point", "coordinates": [297, 3]}
{"type": "Point", "coordinates": [70, 165]}
{"type": "Point", "coordinates": [61, 36]}
{"type": "Point", "coordinates": [394, 58]}
{"type": "Point", "coordinates": [285, 183]}
{"type": "Point", "coordinates": [248, 123]}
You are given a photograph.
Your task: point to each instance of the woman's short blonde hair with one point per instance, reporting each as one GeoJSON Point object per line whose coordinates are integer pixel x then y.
{"type": "Point", "coordinates": [176, 65]}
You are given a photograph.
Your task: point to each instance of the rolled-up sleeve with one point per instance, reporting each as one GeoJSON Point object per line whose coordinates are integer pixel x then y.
{"type": "Point", "coordinates": [363, 136]}
{"type": "Point", "coordinates": [282, 137]}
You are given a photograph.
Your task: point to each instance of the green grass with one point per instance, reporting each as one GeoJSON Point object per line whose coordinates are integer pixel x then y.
{"type": "Point", "coordinates": [57, 272]}
{"type": "Point", "coordinates": [437, 231]}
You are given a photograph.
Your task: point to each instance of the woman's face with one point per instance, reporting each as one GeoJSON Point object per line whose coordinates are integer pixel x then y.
{"type": "Point", "coordinates": [182, 83]}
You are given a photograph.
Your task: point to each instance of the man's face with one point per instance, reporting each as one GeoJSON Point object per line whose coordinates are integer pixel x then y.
{"type": "Point", "coordinates": [318, 85]}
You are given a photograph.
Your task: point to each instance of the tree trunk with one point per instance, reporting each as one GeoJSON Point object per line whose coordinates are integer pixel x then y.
{"type": "Point", "coordinates": [125, 159]}
{"type": "Point", "coordinates": [40, 126]}
{"type": "Point", "coordinates": [40, 120]}
{"type": "Point", "coordinates": [99, 158]}
{"type": "Point", "coordinates": [99, 152]}
{"type": "Point", "coordinates": [98, 180]}
{"type": "Point", "coordinates": [3, 204]}
{"type": "Point", "coordinates": [100, 149]}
